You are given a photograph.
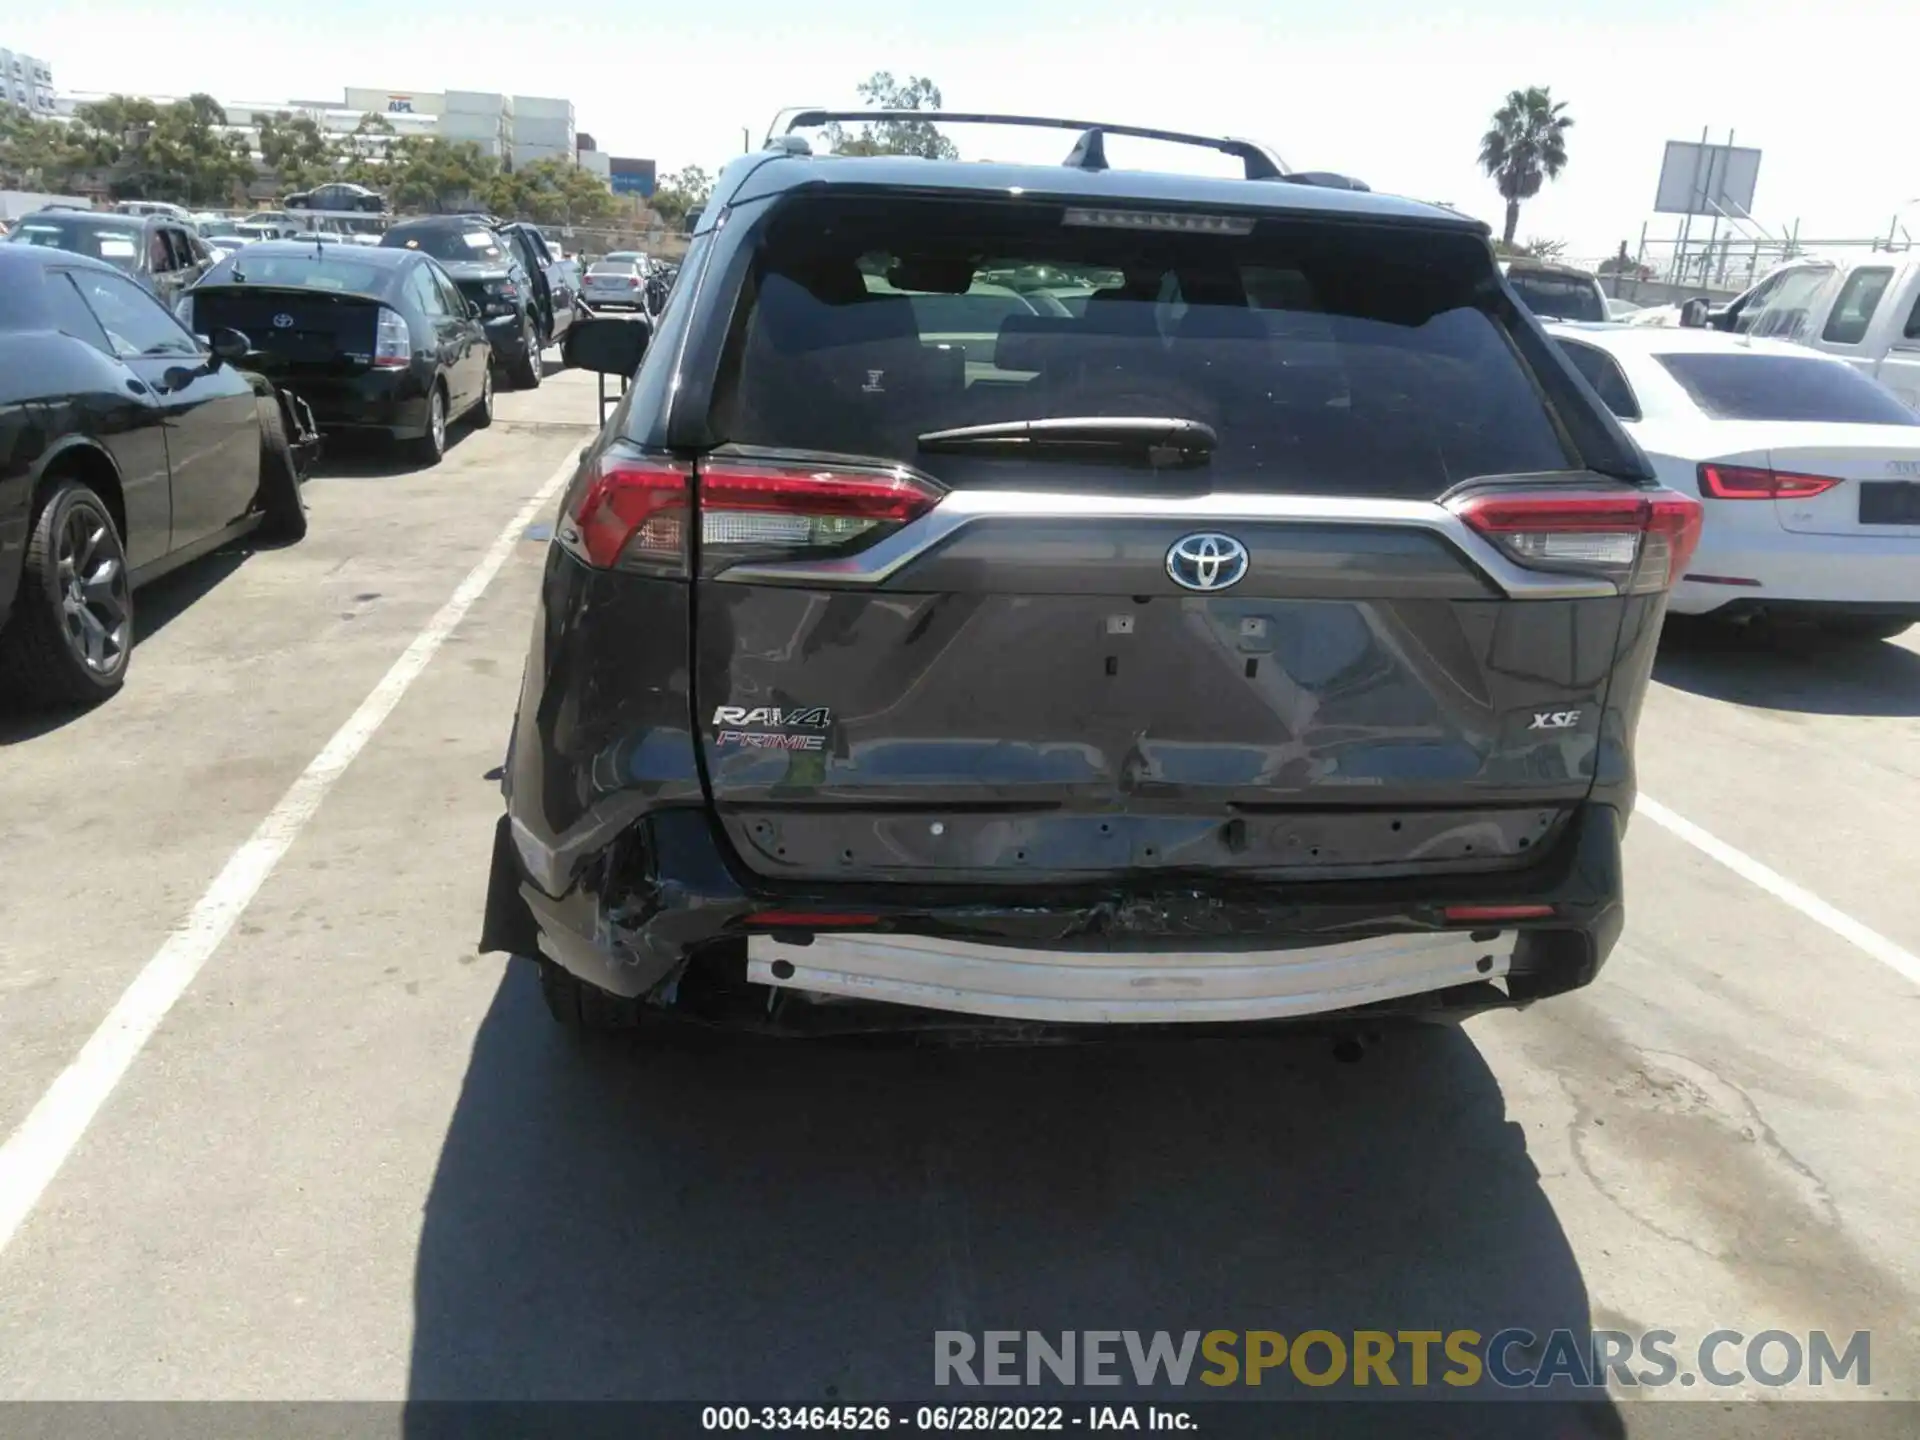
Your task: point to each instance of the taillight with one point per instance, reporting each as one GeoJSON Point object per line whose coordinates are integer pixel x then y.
{"type": "Point", "coordinates": [1487, 914]}
{"type": "Point", "coordinates": [632, 514]}
{"type": "Point", "coordinates": [1750, 482]}
{"type": "Point", "coordinates": [1640, 540]}
{"type": "Point", "coordinates": [392, 344]}
{"type": "Point", "coordinates": [753, 510]}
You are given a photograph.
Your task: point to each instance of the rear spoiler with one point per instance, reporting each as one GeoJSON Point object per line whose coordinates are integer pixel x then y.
{"type": "Point", "coordinates": [1089, 151]}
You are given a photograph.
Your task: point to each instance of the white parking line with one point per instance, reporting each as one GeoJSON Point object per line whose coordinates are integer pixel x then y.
{"type": "Point", "coordinates": [1902, 962]}
{"type": "Point", "coordinates": [35, 1151]}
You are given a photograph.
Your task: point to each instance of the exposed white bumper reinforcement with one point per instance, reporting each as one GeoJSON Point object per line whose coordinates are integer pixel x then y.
{"type": "Point", "coordinates": [1107, 987]}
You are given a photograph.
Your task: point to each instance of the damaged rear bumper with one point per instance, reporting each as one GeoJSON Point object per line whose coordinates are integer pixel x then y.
{"type": "Point", "coordinates": [1103, 988]}
{"type": "Point", "coordinates": [303, 435]}
{"type": "Point", "coordinates": [664, 898]}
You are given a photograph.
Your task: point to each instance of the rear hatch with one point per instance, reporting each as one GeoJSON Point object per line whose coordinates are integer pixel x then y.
{"type": "Point", "coordinates": [489, 286]}
{"type": "Point", "coordinates": [1840, 455]}
{"type": "Point", "coordinates": [297, 333]}
{"type": "Point", "coordinates": [1234, 633]}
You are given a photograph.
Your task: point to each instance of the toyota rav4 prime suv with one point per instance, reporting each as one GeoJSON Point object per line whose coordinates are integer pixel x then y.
{"type": "Point", "coordinates": [1026, 596]}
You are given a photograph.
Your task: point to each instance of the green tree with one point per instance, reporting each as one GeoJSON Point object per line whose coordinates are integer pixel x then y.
{"type": "Point", "coordinates": [425, 172]}
{"type": "Point", "coordinates": [1525, 148]}
{"type": "Point", "coordinates": [36, 154]}
{"type": "Point", "coordinates": [895, 137]}
{"type": "Point", "coordinates": [551, 192]}
{"type": "Point", "coordinates": [363, 154]}
{"type": "Point", "coordinates": [299, 153]}
{"type": "Point", "coordinates": [685, 191]}
{"type": "Point", "coordinates": [184, 152]}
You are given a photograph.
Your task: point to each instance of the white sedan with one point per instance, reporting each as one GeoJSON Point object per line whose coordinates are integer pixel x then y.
{"type": "Point", "coordinates": [1809, 472]}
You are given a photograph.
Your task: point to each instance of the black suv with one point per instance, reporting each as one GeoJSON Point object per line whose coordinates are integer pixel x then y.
{"type": "Point", "coordinates": [504, 269]}
{"type": "Point", "coordinates": [1258, 631]}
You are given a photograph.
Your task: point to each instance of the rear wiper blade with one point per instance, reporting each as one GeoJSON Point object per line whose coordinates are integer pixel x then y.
{"type": "Point", "coordinates": [1161, 440]}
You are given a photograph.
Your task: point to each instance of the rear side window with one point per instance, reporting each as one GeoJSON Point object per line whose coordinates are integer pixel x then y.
{"type": "Point", "coordinates": [1853, 311]}
{"type": "Point", "coordinates": [1784, 387]}
{"type": "Point", "coordinates": [1328, 359]}
{"type": "Point", "coordinates": [1558, 297]}
{"type": "Point", "coordinates": [1601, 371]}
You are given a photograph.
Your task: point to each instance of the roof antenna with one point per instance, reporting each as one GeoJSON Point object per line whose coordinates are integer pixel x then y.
{"type": "Point", "coordinates": [1089, 152]}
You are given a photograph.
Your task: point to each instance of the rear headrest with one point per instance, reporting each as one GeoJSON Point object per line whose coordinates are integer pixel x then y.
{"type": "Point", "coordinates": [789, 317]}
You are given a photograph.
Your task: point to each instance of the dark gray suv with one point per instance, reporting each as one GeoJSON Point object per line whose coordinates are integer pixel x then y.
{"type": "Point", "coordinates": [164, 255]}
{"type": "Point", "coordinates": [1260, 632]}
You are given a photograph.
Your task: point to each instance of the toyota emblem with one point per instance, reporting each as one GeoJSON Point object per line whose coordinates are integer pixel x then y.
{"type": "Point", "coordinates": [283, 321]}
{"type": "Point", "coordinates": [1207, 562]}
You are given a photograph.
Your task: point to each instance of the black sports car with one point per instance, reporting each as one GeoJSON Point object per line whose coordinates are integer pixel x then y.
{"type": "Point", "coordinates": [377, 341]}
{"type": "Point", "coordinates": [127, 448]}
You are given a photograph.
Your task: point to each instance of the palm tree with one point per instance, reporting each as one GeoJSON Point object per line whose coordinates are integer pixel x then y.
{"type": "Point", "coordinates": [1526, 147]}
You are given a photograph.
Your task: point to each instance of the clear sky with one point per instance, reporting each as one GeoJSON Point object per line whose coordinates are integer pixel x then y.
{"type": "Point", "coordinates": [1393, 91]}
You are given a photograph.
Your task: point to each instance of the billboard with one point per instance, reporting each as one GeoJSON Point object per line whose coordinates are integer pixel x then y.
{"type": "Point", "coordinates": [628, 176]}
{"type": "Point", "coordinates": [396, 102]}
{"type": "Point", "coordinates": [1698, 179]}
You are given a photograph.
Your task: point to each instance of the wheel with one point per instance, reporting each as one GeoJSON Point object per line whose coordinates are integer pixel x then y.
{"type": "Point", "coordinates": [583, 1007]}
{"type": "Point", "coordinates": [278, 499]}
{"type": "Point", "coordinates": [526, 368]}
{"type": "Point", "coordinates": [71, 633]}
{"type": "Point", "coordinates": [482, 413]}
{"type": "Point", "coordinates": [1866, 627]}
{"type": "Point", "coordinates": [430, 447]}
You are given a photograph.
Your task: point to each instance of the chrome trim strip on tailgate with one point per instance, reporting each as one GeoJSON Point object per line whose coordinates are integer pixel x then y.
{"type": "Point", "coordinates": [965, 507]}
{"type": "Point", "coordinates": [1105, 987]}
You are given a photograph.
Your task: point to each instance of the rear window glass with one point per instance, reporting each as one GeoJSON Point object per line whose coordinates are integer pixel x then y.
{"type": "Point", "coordinates": [1558, 297]}
{"type": "Point", "coordinates": [116, 244]}
{"type": "Point", "coordinates": [1784, 387]}
{"type": "Point", "coordinates": [449, 243]}
{"type": "Point", "coordinates": [1328, 359]}
{"type": "Point", "coordinates": [332, 271]}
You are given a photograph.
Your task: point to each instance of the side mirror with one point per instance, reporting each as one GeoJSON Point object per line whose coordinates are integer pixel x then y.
{"type": "Point", "coordinates": [230, 346]}
{"type": "Point", "coordinates": [607, 345]}
{"type": "Point", "coordinates": [1693, 314]}
{"type": "Point", "coordinates": [473, 310]}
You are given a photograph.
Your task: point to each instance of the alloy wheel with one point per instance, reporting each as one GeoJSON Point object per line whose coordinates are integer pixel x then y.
{"type": "Point", "coordinates": [96, 608]}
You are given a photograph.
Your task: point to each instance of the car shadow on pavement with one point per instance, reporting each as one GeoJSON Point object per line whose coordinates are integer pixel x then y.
{"type": "Point", "coordinates": [155, 606]}
{"type": "Point", "coordinates": [743, 1220]}
{"type": "Point", "coordinates": [356, 459]}
{"type": "Point", "coordinates": [1789, 668]}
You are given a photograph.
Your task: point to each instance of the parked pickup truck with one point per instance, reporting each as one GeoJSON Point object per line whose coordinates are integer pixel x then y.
{"type": "Point", "coordinates": [1865, 309]}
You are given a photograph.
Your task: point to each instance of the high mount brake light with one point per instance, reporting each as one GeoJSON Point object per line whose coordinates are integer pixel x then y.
{"type": "Point", "coordinates": [1174, 220]}
{"type": "Point", "coordinates": [1641, 540]}
{"type": "Point", "coordinates": [633, 513]}
{"type": "Point", "coordinates": [1752, 482]}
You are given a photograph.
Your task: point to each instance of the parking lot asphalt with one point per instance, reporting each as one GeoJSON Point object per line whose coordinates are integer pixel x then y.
{"type": "Point", "coordinates": [356, 1160]}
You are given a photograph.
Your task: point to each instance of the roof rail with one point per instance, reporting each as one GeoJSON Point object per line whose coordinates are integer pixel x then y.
{"type": "Point", "coordinates": [1088, 153]}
